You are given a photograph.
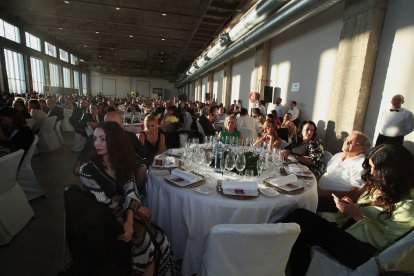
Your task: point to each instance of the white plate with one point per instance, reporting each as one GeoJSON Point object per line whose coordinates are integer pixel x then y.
{"type": "Point", "coordinates": [268, 191]}
{"type": "Point", "coordinates": [205, 190]}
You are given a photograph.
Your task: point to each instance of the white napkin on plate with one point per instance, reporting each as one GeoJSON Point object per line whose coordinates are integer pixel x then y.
{"type": "Point", "coordinates": [295, 168]}
{"type": "Point", "coordinates": [283, 180]}
{"type": "Point", "coordinates": [242, 185]}
{"type": "Point", "coordinates": [176, 151]}
{"type": "Point", "coordinates": [185, 175]}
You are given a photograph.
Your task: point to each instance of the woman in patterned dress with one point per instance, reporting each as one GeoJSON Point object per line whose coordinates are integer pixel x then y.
{"type": "Point", "coordinates": [109, 176]}
{"type": "Point", "coordinates": [307, 149]}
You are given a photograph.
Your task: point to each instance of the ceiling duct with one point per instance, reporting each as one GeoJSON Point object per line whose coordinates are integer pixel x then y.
{"type": "Point", "coordinates": [251, 19]}
{"type": "Point", "coordinates": [284, 19]}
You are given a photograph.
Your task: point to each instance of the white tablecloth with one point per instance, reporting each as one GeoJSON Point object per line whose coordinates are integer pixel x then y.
{"type": "Point", "coordinates": [187, 216]}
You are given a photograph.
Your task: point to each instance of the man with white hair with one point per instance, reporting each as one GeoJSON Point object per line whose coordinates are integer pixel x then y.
{"type": "Point", "coordinates": [343, 172]}
{"type": "Point", "coordinates": [394, 123]}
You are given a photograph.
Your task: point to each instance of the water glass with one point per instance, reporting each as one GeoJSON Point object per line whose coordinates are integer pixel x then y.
{"type": "Point", "coordinates": [240, 162]}
{"type": "Point", "coordinates": [248, 174]}
{"type": "Point", "coordinates": [230, 162]}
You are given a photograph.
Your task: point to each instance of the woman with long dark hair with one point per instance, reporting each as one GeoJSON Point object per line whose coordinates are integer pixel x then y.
{"type": "Point", "coordinates": [307, 148]}
{"type": "Point", "coordinates": [383, 213]}
{"type": "Point", "coordinates": [109, 176]}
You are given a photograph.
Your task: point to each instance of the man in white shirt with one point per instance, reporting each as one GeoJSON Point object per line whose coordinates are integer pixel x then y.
{"type": "Point", "coordinates": [294, 111]}
{"type": "Point", "coordinates": [394, 123]}
{"type": "Point", "coordinates": [245, 121]}
{"type": "Point", "coordinates": [343, 172]}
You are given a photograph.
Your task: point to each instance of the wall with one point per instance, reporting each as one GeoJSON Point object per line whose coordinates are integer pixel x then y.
{"type": "Point", "coordinates": [126, 84]}
{"type": "Point", "coordinates": [395, 65]}
{"type": "Point", "coordinates": [218, 85]}
{"type": "Point", "coordinates": [242, 82]}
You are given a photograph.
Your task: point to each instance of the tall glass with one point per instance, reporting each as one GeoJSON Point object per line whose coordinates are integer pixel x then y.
{"type": "Point", "coordinates": [230, 162]}
{"type": "Point", "coordinates": [240, 162]}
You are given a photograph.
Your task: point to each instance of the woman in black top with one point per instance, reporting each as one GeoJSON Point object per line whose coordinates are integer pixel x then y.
{"type": "Point", "coordinates": [151, 137]}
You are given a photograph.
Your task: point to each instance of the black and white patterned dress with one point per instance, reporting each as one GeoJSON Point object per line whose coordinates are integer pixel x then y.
{"type": "Point", "coordinates": [149, 243]}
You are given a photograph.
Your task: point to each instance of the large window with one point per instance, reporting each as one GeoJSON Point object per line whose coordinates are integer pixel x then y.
{"type": "Point", "coordinates": [33, 41]}
{"type": "Point", "coordinates": [54, 74]}
{"type": "Point", "coordinates": [15, 71]}
{"type": "Point", "coordinates": [9, 31]}
{"type": "Point", "coordinates": [66, 77]}
{"type": "Point", "coordinates": [50, 49]}
{"type": "Point", "coordinates": [38, 75]}
{"type": "Point", "coordinates": [76, 83]}
{"type": "Point", "coordinates": [84, 84]}
{"type": "Point", "coordinates": [63, 55]}
{"type": "Point", "coordinates": [73, 59]}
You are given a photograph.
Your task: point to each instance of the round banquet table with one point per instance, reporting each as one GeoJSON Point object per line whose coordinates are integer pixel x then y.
{"type": "Point", "coordinates": [187, 216]}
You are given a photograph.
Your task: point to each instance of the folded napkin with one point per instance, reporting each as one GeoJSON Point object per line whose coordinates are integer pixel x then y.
{"type": "Point", "coordinates": [239, 185]}
{"type": "Point", "coordinates": [283, 180]}
{"type": "Point", "coordinates": [295, 168]}
{"type": "Point", "coordinates": [176, 151]}
{"type": "Point", "coordinates": [185, 175]}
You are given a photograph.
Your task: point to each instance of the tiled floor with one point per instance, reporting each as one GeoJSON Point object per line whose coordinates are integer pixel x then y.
{"type": "Point", "coordinates": [38, 248]}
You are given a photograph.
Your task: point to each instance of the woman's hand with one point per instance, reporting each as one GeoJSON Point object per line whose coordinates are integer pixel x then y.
{"type": "Point", "coordinates": [128, 228]}
{"type": "Point", "coordinates": [346, 206]}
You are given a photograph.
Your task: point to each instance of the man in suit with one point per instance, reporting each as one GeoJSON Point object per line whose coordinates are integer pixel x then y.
{"type": "Point", "coordinates": [205, 123]}
{"type": "Point", "coordinates": [77, 114]}
{"type": "Point", "coordinates": [54, 110]}
{"type": "Point", "coordinates": [92, 118]}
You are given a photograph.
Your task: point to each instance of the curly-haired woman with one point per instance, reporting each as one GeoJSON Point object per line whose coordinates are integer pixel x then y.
{"type": "Point", "coordinates": [383, 213]}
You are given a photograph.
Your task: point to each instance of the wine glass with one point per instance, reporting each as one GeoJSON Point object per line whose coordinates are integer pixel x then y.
{"type": "Point", "coordinates": [208, 157]}
{"type": "Point", "coordinates": [240, 162]}
{"type": "Point", "coordinates": [198, 156]}
{"type": "Point", "coordinates": [260, 165]}
{"type": "Point", "coordinates": [222, 165]}
{"type": "Point", "coordinates": [230, 162]}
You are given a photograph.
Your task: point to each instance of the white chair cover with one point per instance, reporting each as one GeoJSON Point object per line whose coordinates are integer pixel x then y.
{"type": "Point", "coordinates": [396, 258]}
{"type": "Point", "coordinates": [326, 157]}
{"type": "Point", "coordinates": [58, 132]}
{"type": "Point", "coordinates": [30, 123]}
{"type": "Point", "coordinates": [66, 126]}
{"type": "Point", "coordinates": [47, 137]}
{"type": "Point", "coordinates": [15, 210]}
{"type": "Point", "coordinates": [247, 132]}
{"type": "Point", "coordinates": [249, 249]}
{"type": "Point", "coordinates": [79, 142]}
{"type": "Point", "coordinates": [201, 130]}
{"type": "Point", "coordinates": [26, 177]}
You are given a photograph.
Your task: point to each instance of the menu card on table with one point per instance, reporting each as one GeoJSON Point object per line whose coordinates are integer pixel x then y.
{"type": "Point", "coordinates": [243, 188]}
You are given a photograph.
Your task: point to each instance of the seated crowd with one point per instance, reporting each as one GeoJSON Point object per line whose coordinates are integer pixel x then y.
{"type": "Point", "coordinates": [373, 188]}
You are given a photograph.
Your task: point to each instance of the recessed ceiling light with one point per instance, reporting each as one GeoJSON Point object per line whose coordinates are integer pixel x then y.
{"type": "Point", "coordinates": [164, 14]}
{"type": "Point", "coordinates": [100, 56]}
{"type": "Point", "coordinates": [85, 45]}
{"type": "Point", "coordinates": [117, 8]}
{"type": "Point", "coordinates": [162, 39]}
{"type": "Point", "coordinates": [162, 61]}
{"type": "Point", "coordinates": [60, 28]}
{"type": "Point", "coordinates": [112, 48]}
{"type": "Point", "coordinates": [131, 36]}
{"type": "Point", "coordinates": [66, 2]}
{"type": "Point", "coordinates": [96, 32]}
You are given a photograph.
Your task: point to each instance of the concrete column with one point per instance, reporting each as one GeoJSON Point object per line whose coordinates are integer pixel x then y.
{"type": "Point", "coordinates": [199, 89]}
{"type": "Point", "coordinates": [261, 65]}
{"type": "Point", "coordinates": [357, 54]}
{"type": "Point", "coordinates": [192, 90]}
{"type": "Point", "coordinates": [210, 80]}
{"type": "Point", "coordinates": [227, 82]}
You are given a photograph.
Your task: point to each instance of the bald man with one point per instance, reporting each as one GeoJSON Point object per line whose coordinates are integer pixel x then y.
{"type": "Point", "coordinates": [394, 123]}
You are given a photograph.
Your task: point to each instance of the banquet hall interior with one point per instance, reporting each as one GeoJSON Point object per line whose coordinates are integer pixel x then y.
{"type": "Point", "coordinates": [341, 61]}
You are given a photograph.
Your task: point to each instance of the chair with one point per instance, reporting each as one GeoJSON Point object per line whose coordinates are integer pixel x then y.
{"type": "Point", "coordinates": [26, 177]}
{"type": "Point", "coordinates": [247, 132]}
{"type": "Point", "coordinates": [201, 130]}
{"type": "Point", "coordinates": [249, 249]}
{"type": "Point", "coordinates": [396, 259]}
{"type": "Point", "coordinates": [326, 157]}
{"type": "Point", "coordinates": [66, 126]}
{"type": "Point", "coordinates": [30, 123]}
{"type": "Point", "coordinates": [47, 137]}
{"type": "Point", "coordinates": [15, 210]}
{"type": "Point", "coordinates": [283, 133]}
{"type": "Point", "coordinates": [58, 132]}
{"type": "Point", "coordinates": [79, 142]}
